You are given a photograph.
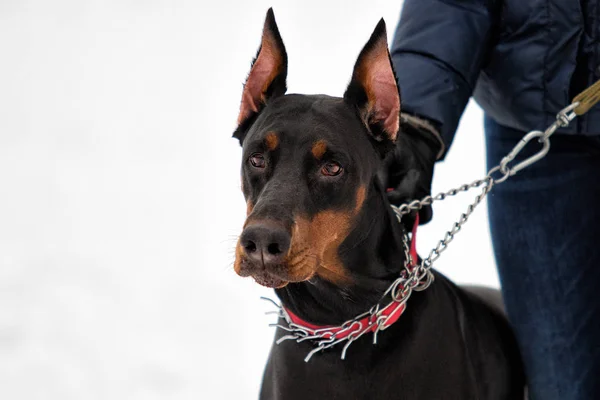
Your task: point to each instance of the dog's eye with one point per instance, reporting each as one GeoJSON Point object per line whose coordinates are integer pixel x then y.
{"type": "Point", "coordinates": [331, 169]}
{"type": "Point", "coordinates": [257, 160]}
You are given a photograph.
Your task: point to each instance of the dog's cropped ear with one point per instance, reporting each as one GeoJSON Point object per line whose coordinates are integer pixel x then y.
{"type": "Point", "coordinates": [373, 89]}
{"type": "Point", "coordinates": [267, 77]}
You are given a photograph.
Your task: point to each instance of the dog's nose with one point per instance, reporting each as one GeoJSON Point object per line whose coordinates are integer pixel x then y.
{"type": "Point", "coordinates": [265, 244]}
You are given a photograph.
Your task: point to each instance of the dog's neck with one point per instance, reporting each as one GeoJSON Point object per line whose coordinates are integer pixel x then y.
{"type": "Point", "coordinates": [373, 255]}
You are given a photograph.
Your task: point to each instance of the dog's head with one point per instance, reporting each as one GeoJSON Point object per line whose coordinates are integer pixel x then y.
{"type": "Point", "coordinates": [310, 162]}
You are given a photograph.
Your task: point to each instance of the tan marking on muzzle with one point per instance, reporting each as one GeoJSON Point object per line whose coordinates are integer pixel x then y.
{"type": "Point", "coordinates": [323, 236]}
{"type": "Point", "coordinates": [315, 244]}
{"type": "Point", "coordinates": [327, 231]}
{"type": "Point", "coordinates": [237, 264]}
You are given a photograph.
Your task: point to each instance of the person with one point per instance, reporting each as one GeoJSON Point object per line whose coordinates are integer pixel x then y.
{"type": "Point", "coordinates": [522, 61]}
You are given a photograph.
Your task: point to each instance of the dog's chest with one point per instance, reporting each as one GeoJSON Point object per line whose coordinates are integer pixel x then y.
{"type": "Point", "coordinates": [399, 367]}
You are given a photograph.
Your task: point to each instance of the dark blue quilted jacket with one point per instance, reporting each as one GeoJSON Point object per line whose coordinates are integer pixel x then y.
{"type": "Point", "coordinates": [522, 60]}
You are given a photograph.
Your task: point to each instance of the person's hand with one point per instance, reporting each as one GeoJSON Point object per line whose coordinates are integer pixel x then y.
{"type": "Point", "coordinates": [409, 167]}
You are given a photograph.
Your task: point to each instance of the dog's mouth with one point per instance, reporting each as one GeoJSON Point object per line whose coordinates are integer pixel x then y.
{"type": "Point", "coordinates": [266, 279]}
{"type": "Point", "coordinates": [274, 276]}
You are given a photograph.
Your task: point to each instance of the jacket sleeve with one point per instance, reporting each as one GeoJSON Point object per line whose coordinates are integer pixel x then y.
{"type": "Point", "coordinates": [438, 51]}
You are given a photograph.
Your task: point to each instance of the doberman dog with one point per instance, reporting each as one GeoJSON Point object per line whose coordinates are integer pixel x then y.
{"type": "Point", "coordinates": [321, 232]}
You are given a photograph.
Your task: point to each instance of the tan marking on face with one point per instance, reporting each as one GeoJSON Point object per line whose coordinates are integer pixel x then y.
{"type": "Point", "coordinates": [249, 207]}
{"type": "Point", "coordinates": [360, 198]}
{"type": "Point", "coordinates": [318, 149]}
{"type": "Point", "coordinates": [237, 264]}
{"type": "Point", "coordinates": [322, 236]}
{"type": "Point", "coordinates": [315, 243]}
{"type": "Point", "coordinates": [272, 141]}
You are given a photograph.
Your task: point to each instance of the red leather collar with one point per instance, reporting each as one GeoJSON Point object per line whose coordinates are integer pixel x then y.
{"type": "Point", "coordinates": [356, 328]}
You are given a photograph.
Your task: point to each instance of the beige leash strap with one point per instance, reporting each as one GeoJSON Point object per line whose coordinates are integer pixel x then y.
{"type": "Point", "coordinates": [587, 99]}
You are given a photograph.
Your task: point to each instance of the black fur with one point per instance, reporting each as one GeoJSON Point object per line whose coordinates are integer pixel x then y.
{"type": "Point", "coordinates": [448, 344]}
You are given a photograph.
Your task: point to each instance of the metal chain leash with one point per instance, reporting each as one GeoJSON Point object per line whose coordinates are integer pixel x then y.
{"type": "Point", "coordinates": [418, 277]}
{"type": "Point", "coordinates": [563, 119]}
{"type": "Point", "coordinates": [421, 276]}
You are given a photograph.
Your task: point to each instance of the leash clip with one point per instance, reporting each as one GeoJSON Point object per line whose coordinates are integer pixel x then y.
{"type": "Point", "coordinates": [508, 171]}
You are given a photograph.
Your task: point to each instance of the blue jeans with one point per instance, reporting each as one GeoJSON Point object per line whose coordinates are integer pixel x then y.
{"type": "Point", "coordinates": [545, 226]}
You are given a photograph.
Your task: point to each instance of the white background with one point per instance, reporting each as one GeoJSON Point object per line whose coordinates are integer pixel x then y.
{"type": "Point", "coordinates": [119, 190]}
